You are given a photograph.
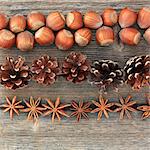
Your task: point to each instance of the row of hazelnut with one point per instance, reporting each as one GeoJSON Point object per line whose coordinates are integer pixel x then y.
{"type": "Point", "coordinates": [64, 40]}
{"type": "Point", "coordinates": [74, 20]}
{"type": "Point", "coordinates": [25, 40]}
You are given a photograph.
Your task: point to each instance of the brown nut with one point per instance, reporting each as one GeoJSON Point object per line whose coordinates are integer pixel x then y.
{"type": "Point", "coordinates": [74, 20]}
{"type": "Point", "coordinates": [7, 38]}
{"type": "Point", "coordinates": [44, 36]}
{"type": "Point", "coordinates": [130, 36]}
{"type": "Point", "coordinates": [17, 23]}
{"type": "Point", "coordinates": [105, 36]}
{"type": "Point", "coordinates": [25, 41]}
{"type": "Point", "coordinates": [55, 21]}
{"type": "Point", "coordinates": [147, 35]}
{"type": "Point", "coordinates": [3, 21]}
{"type": "Point", "coordinates": [127, 17]}
{"type": "Point", "coordinates": [92, 20]}
{"type": "Point", "coordinates": [110, 17]}
{"type": "Point", "coordinates": [83, 36]}
{"type": "Point", "coordinates": [35, 20]}
{"type": "Point", "coordinates": [64, 39]}
{"type": "Point", "coordinates": [144, 18]}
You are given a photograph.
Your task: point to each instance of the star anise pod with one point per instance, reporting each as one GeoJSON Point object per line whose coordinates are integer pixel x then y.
{"type": "Point", "coordinates": [125, 107]}
{"type": "Point", "coordinates": [56, 109]}
{"type": "Point", "coordinates": [12, 106]}
{"type": "Point", "coordinates": [145, 109]}
{"type": "Point", "coordinates": [33, 109]}
{"type": "Point", "coordinates": [102, 107]}
{"type": "Point", "coordinates": [80, 109]}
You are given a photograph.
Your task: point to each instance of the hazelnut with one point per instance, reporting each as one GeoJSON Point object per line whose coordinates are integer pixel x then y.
{"type": "Point", "coordinates": [127, 17]}
{"type": "Point", "coordinates": [7, 38]}
{"type": "Point", "coordinates": [147, 35]}
{"type": "Point", "coordinates": [3, 21]}
{"type": "Point", "coordinates": [105, 36]}
{"type": "Point", "coordinates": [35, 20]}
{"type": "Point", "coordinates": [74, 20]}
{"type": "Point", "coordinates": [92, 20]}
{"type": "Point", "coordinates": [130, 36]}
{"type": "Point", "coordinates": [17, 23]}
{"type": "Point", "coordinates": [83, 36]}
{"type": "Point", "coordinates": [55, 21]}
{"type": "Point", "coordinates": [44, 36]}
{"type": "Point", "coordinates": [144, 18]}
{"type": "Point", "coordinates": [64, 39]}
{"type": "Point", "coordinates": [25, 41]}
{"type": "Point", "coordinates": [110, 17]}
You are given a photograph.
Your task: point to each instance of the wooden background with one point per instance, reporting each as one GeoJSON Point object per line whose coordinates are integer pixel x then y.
{"type": "Point", "coordinates": [110, 134]}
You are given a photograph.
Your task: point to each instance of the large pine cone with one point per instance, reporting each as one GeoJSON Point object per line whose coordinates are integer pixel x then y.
{"type": "Point", "coordinates": [137, 71]}
{"type": "Point", "coordinates": [75, 67]}
{"type": "Point", "coordinates": [14, 73]}
{"type": "Point", "coordinates": [45, 70]}
{"type": "Point", "coordinates": [106, 74]}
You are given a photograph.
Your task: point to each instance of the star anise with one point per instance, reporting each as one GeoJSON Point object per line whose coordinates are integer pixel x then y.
{"type": "Point", "coordinates": [12, 106]}
{"type": "Point", "coordinates": [102, 107]}
{"type": "Point", "coordinates": [80, 110]}
{"type": "Point", "coordinates": [125, 107]}
{"type": "Point", "coordinates": [55, 109]}
{"type": "Point", "coordinates": [145, 109]}
{"type": "Point", "coordinates": [33, 109]}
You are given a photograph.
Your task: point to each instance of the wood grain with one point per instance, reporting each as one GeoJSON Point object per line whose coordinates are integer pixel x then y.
{"type": "Point", "coordinates": [87, 135]}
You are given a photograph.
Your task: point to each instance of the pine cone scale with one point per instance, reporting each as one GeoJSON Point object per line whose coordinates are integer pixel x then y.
{"type": "Point", "coordinates": [18, 82]}
{"type": "Point", "coordinates": [19, 64]}
{"type": "Point", "coordinates": [24, 74]}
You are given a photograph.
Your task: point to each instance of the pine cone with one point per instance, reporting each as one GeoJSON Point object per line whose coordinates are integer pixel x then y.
{"type": "Point", "coordinates": [106, 74]}
{"type": "Point", "coordinates": [76, 67]}
{"type": "Point", "coordinates": [14, 73]}
{"type": "Point", "coordinates": [45, 70]}
{"type": "Point", "coordinates": [137, 71]}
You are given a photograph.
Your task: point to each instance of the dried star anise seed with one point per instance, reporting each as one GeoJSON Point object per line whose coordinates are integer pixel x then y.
{"type": "Point", "coordinates": [125, 107]}
{"type": "Point", "coordinates": [75, 67]}
{"type": "Point", "coordinates": [45, 70]}
{"type": "Point", "coordinates": [55, 109]}
{"type": "Point", "coordinates": [145, 108]}
{"type": "Point", "coordinates": [102, 107]}
{"type": "Point", "coordinates": [14, 73]}
{"type": "Point", "coordinates": [33, 109]}
{"type": "Point", "coordinates": [137, 71]}
{"type": "Point", "coordinates": [106, 74]}
{"type": "Point", "coordinates": [80, 109]}
{"type": "Point", "coordinates": [13, 106]}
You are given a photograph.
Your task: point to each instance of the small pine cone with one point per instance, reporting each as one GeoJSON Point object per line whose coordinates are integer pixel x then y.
{"type": "Point", "coordinates": [14, 73]}
{"type": "Point", "coordinates": [137, 71]}
{"type": "Point", "coordinates": [45, 70]}
{"type": "Point", "coordinates": [106, 74]}
{"type": "Point", "coordinates": [76, 67]}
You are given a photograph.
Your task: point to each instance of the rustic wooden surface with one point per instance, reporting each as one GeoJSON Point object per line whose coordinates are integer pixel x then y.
{"type": "Point", "coordinates": [110, 134]}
